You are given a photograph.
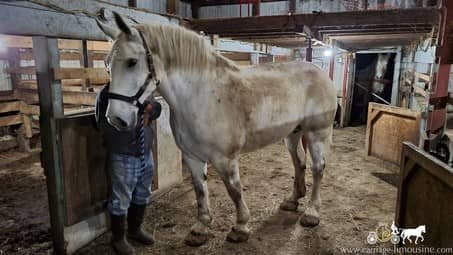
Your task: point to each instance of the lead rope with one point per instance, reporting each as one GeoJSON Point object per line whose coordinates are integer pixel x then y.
{"type": "Point", "coordinates": [142, 139]}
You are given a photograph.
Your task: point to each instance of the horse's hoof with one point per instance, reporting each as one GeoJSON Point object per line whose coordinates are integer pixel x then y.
{"type": "Point", "coordinates": [238, 236]}
{"type": "Point", "coordinates": [308, 220]}
{"type": "Point", "coordinates": [288, 205]}
{"type": "Point", "coordinates": [197, 239]}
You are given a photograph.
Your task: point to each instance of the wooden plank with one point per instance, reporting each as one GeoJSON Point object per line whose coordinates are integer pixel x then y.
{"type": "Point", "coordinates": [10, 120]}
{"type": "Point", "coordinates": [95, 74]}
{"type": "Point", "coordinates": [27, 125]}
{"type": "Point", "coordinates": [34, 86]}
{"type": "Point", "coordinates": [425, 196]}
{"type": "Point", "coordinates": [69, 97]}
{"type": "Point", "coordinates": [66, 82]}
{"type": "Point", "coordinates": [237, 56]}
{"type": "Point", "coordinates": [27, 54]}
{"type": "Point", "coordinates": [423, 76]}
{"type": "Point", "coordinates": [51, 107]}
{"type": "Point", "coordinates": [30, 70]}
{"type": "Point", "coordinates": [25, 43]}
{"type": "Point", "coordinates": [387, 128]}
{"type": "Point", "coordinates": [10, 106]}
{"type": "Point", "coordinates": [29, 109]}
{"type": "Point", "coordinates": [85, 181]}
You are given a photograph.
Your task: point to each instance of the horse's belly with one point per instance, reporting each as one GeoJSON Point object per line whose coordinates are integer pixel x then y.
{"type": "Point", "coordinates": [259, 138]}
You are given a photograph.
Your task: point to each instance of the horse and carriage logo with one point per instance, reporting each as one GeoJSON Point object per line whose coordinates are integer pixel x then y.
{"type": "Point", "coordinates": [395, 235]}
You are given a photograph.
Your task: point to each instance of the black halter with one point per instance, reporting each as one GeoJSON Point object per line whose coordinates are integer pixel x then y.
{"type": "Point", "coordinates": [135, 99]}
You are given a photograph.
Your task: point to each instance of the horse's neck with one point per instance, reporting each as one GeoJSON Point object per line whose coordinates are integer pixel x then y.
{"type": "Point", "coordinates": [180, 86]}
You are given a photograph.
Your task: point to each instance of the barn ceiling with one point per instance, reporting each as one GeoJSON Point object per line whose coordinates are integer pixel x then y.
{"type": "Point", "coordinates": [348, 30]}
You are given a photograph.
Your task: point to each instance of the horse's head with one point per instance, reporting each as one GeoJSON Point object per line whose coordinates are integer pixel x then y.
{"type": "Point", "coordinates": [423, 228]}
{"type": "Point", "coordinates": [381, 68]}
{"type": "Point", "coordinates": [381, 65]}
{"type": "Point", "coordinates": [129, 73]}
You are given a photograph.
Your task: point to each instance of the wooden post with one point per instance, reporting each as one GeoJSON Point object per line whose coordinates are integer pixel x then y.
{"type": "Point", "coordinates": [256, 7]}
{"type": "Point", "coordinates": [45, 51]}
{"type": "Point", "coordinates": [172, 6]}
{"type": "Point", "coordinates": [396, 78]}
{"type": "Point", "coordinates": [132, 3]}
{"type": "Point", "coordinates": [309, 52]}
{"type": "Point", "coordinates": [195, 6]}
{"type": "Point", "coordinates": [438, 99]}
{"type": "Point", "coordinates": [85, 62]}
{"type": "Point", "coordinates": [14, 62]}
{"type": "Point", "coordinates": [292, 6]}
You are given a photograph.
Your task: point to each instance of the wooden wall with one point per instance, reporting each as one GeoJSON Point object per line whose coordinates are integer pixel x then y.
{"type": "Point", "coordinates": [387, 128]}
{"type": "Point", "coordinates": [425, 197]}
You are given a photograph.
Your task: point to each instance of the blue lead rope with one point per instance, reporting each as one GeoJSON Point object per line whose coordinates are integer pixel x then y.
{"type": "Point", "coordinates": [142, 139]}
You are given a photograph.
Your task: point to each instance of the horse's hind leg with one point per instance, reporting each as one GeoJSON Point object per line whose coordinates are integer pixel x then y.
{"type": "Point", "coordinates": [296, 150]}
{"type": "Point", "coordinates": [318, 143]}
{"type": "Point", "coordinates": [228, 170]}
{"type": "Point", "coordinates": [200, 231]}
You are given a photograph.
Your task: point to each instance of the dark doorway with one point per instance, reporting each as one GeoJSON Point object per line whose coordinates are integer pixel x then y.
{"type": "Point", "coordinates": [373, 82]}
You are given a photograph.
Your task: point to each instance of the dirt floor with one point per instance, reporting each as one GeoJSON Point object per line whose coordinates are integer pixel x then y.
{"type": "Point", "coordinates": [358, 194]}
{"type": "Point", "coordinates": [24, 217]}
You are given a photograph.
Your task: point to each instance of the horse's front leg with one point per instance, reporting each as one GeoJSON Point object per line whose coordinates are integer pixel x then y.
{"type": "Point", "coordinates": [199, 233]}
{"type": "Point", "coordinates": [228, 169]}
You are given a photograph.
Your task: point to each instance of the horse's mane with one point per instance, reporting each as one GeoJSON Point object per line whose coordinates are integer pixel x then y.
{"type": "Point", "coordinates": [181, 48]}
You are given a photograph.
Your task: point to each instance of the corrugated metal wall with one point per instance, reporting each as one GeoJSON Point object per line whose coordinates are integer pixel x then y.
{"type": "Point", "coordinates": [185, 9]}
{"type": "Point", "coordinates": [159, 6]}
{"type": "Point", "coordinates": [119, 2]}
{"type": "Point", "coordinates": [274, 8]}
{"type": "Point", "coordinates": [308, 6]}
{"type": "Point", "coordinates": [223, 11]}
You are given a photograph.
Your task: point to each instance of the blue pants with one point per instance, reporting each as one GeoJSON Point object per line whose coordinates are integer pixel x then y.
{"type": "Point", "coordinates": [130, 182]}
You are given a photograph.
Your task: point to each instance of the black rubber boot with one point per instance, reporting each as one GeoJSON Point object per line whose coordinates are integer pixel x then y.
{"type": "Point", "coordinates": [135, 232]}
{"type": "Point", "coordinates": [119, 242]}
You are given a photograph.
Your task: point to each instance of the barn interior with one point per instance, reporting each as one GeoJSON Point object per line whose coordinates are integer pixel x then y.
{"type": "Point", "coordinates": [391, 155]}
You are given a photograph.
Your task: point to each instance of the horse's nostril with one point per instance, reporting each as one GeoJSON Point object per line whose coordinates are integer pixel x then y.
{"type": "Point", "coordinates": [121, 122]}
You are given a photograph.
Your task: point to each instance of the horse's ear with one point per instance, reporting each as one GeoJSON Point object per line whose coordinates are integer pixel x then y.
{"type": "Point", "coordinates": [110, 31]}
{"type": "Point", "coordinates": [122, 24]}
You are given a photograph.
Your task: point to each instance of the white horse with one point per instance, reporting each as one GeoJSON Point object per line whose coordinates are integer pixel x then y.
{"type": "Point", "coordinates": [218, 111]}
{"type": "Point", "coordinates": [379, 82]}
{"type": "Point", "coordinates": [417, 232]}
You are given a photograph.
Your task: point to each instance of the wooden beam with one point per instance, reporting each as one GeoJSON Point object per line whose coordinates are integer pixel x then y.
{"type": "Point", "coordinates": [334, 20]}
{"type": "Point", "coordinates": [230, 2]}
{"type": "Point", "coordinates": [45, 21]}
{"type": "Point", "coordinates": [13, 20]}
{"type": "Point", "coordinates": [10, 120]}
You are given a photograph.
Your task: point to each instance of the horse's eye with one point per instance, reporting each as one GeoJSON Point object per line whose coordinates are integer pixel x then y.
{"type": "Point", "coordinates": [131, 62]}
